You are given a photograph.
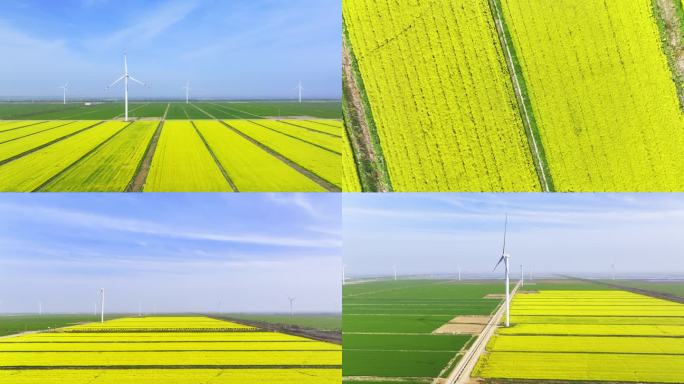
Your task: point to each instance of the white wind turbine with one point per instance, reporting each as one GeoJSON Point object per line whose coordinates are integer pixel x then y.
{"type": "Point", "coordinates": [64, 88]}
{"type": "Point", "coordinates": [299, 89]}
{"type": "Point", "coordinates": [187, 92]}
{"type": "Point", "coordinates": [101, 305]}
{"type": "Point", "coordinates": [505, 257]}
{"type": "Point", "coordinates": [394, 268]}
{"type": "Point", "coordinates": [292, 299]}
{"type": "Point", "coordinates": [125, 77]}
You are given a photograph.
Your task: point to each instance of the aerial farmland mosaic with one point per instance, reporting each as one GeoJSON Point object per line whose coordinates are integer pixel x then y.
{"type": "Point", "coordinates": [514, 95]}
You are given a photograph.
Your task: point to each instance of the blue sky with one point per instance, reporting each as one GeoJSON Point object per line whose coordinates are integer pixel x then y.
{"type": "Point", "coordinates": [233, 49]}
{"type": "Point", "coordinates": [548, 233]}
{"type": "Point", "coordinates": [172, 252]}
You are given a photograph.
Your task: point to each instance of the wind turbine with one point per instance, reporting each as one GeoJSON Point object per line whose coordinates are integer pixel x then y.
{"type": "Point", "coordinates": [101, 305]}
{"type": "Point", "coordinates": [125, 77]}
{"type": "Point", "coordinates": [299, 88]}
{"type": "Point", "coordinates": [505, 257]}
{"type": "Point", "coordinates": [522, 276]}
{"type": "Point", "coordinates": [40, 308]}
{"type": "Point", "coordinates": [292, 299]}
{"type": "Point", "coordinates": [64, 88]}
{"type": "Point", "coordinates": [459, 273]}
{"type": "Point", "coordinates": [187, 92]}
{"type": "Point", "coordinates": [612, 266]}
{"type": "Point", "coordinates": [394, 267]}
{"type": "Point", "coordinates": [343, 277]}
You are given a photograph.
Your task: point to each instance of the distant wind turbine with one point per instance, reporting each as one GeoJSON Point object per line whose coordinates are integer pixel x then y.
{"type": "Point", "coordinates": [522, 276]}
{"type": "Point", "coordinates": [40, 308]}
{"type": "Point", "coordinates": [394, 267]}
{"type": "Point", "coordinates": [343, 277]}
{"type": "Point", "coordinates": [64, 88]}
{"type": "Point", "coordinates": [459, 273]}
{"type": "Point", "coordinates": [125, 77]}
{"type": "Point", "coordinates": [292, 299]}
{"type": "Point", "coordinates": [299, 88]}
{"type": "Point", "coordinates": [505, 257]}
{"type": "Point", "coordinates": [102, 297]}
{"type": "Point", "coordinates": [187, 92]}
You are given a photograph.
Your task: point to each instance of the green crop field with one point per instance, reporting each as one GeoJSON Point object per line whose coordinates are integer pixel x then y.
{"type": "Point", "coordinates": [176, 110]}
{"type": "Point", "coordinates": [588, 335]}
{"type": "Point", "coordinates": [166, 349]}
{"type": "Point", "coordinates": [259, 155]}
{"type": "Point", "coordinates": [326, 322]}
{"type": "Point", "coordinates": [387, 327]}
{"type": "Point", "coordinates": [669, 287]}
{"type": "Point", "coordinates": [12, 324]}
{"type": "Point", "coordinates": [518, 95]}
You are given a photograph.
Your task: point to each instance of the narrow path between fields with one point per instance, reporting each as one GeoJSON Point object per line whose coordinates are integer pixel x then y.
{"type": "Point", "coordinates": [535, 147]}
{"type": "Point", "coordinates": [461, 373]}
{"type": "Point", "coordinates": [139, 179]}
{"type": "Point", "coordinates": [224, 172]}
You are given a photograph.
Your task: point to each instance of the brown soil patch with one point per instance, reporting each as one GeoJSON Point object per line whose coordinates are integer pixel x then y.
{"type": "Point", "coordinates": [495, 296]}
{"type": "Point", "coordinates": [459, 329]}
{"type": "Point", "coordinates": [483, 320]}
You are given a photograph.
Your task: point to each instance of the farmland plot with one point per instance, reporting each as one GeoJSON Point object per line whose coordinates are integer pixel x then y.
{"type": "Point", "coordinates": [251, 168]}
{"type": "Point", "coordinates": [24, 144]}
{"type": "Point", "coordinates": [179, 350]}
{"type": "Point", "coordinates": [647, 336]}
{"type": "Point", "coordinates": [440, 94]}
{"type": "Point", "coordinates": [111, 167]}
{"type": "Point", "coordinates": [182, 163]}
{"type": "Point", "coordinates": [602, 92]}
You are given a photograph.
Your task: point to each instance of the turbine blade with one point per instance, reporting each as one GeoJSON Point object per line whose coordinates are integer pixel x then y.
{"type": "Point", "coordinates": [116, 81]}
{"type": "Point", "coordinates": [503, 250]}
{"type": "Point", "coordinates": [136, 80]}
{"type": "Point", "coordinates": [497, 264]}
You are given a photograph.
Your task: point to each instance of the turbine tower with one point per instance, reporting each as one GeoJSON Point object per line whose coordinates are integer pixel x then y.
{"type": "Point", "coordinates": [40, 308]}
{"type": "Point", "coordinates": [343, 277]}
{"type": "Point", "coordinates": [125, 77]}
{"type": "Point", "coordinates": [101, 305]}
{"type": "Point", "coordinates": [394, 267]}
{"type": "Point", "coordinates": [299, 88]}
{"type": "Point", "coordinates": [522, 276]}
{"type": "Point", "coordinates": [505, 257]}
{"type": "Point", "coordinates": [459, 273]}
{"type": "Point", "coordinates": [64, 88]}
{"type": "Point", "coordinates": [292, 299]}
{"type": "Point", "coordinates": [187, 92]}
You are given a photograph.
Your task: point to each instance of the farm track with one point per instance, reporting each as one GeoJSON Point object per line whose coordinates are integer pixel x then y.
{"type": "Point", "coordinates": [520, 89]}
{"type": "Point", "coordinates": [139, 179]}
{"type": "Point", "coordinates": [670, 23]}
{"type": "Point", "coordinates": [30, 151]}
{"type": "Point", "coordinates": [213, 156]}
{"type": "Point", "coordinates": [358, 122]}
{"type": "Point", "coordinates": [461, 373]}
{"type": "Point", "coordinates": [93, 150]}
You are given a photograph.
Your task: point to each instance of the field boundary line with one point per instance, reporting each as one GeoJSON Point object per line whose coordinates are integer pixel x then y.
{"type": "Point", "coordinates": [213, 156]}
{"type": "Point", "coordinates": [640, 291]}
{"type": "Point", "coordinates": [139, 178]}
{"type": "Point", "coordinates": [520, 89]}
{"type": "Point", "coordinates": [310, 129]}
{"type": "Point", "coordinates": [35, 133]}
{"type": "Point", "coordinates": [314, 177]}
{"type": "Point", "coordinates": [669, 16]}
{"type": "Point", "coordinates": [389, 379]}
{"type": "Point", "coordinates": [117, 117]}
{"type": "Point", "coordinates": [24, 126]}
{"type": "Point", "coordinates": [162, 366]}
{"type": "Point", "coordinates": [296, 138]}
{"type": "Point", "coordinates": [235, 109]}
{"type": "Point", "coordinates": [203, 111]}
{"type": "Point", "coordinates": [359, 125]}
{"type": "Point", "coordinates": [326, 124]}
{"type": "Point", "coordinates": [93, 150]}
{"type": "Point", "coordinates": [166, 111]}
{"type": "Point", "coordinates": [461, 373]}
{"type": "Point", "coordinates": [32, 150]}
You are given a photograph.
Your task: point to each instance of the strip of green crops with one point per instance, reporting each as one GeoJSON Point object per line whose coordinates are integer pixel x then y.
{"type": "Point", "coordinates": [250, 168]}
{"type": "Point", "coordinates": [387, 325]}
{"type": "Point", "coordinates": [182, 163]}
{"type": "Point", "coordinates": [111, 167]}
{"type": "Point", "coordinates": [30, 172]}
{"type": "Point", "coordinates": [323, 163]}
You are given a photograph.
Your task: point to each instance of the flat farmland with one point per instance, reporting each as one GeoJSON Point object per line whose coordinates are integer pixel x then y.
{"type": "Point", "coordinates": [588, 335]}
{"type": "Point", "coordinates": [176, 110]}
{"type": "Point", "coordinates": [179, 350]}
{"type": "Point", "coordinates": [389, 327]}
{"type": "Point", "coordinates": [259, 155]}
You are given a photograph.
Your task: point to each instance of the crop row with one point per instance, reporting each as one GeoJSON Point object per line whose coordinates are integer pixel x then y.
{"type": "Point", "coordinates": [440, 95]}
